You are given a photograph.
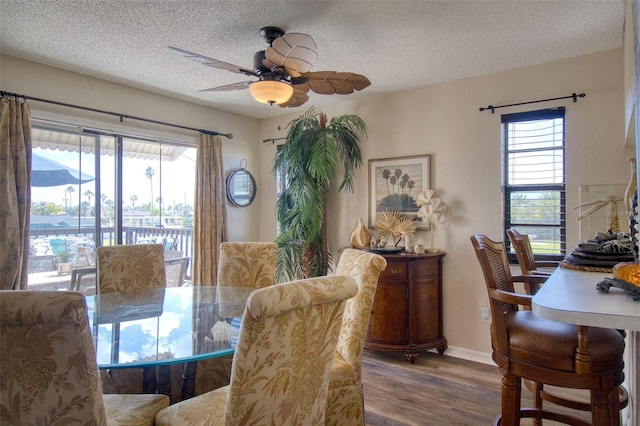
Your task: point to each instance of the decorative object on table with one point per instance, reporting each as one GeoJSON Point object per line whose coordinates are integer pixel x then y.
{"type": "Point", "coordinates": [601, 253]}
{"type": "Point", "coordinates": [241, 186]}
{"type": "Point", "coordinates": [611, 202]}
{"type": "Point", "coordinates": [307, 163]}
{"type": "Point", "coordinates": [408, 243]}
{"type": "Point", "coordinates": [383, 250]}
{"type": "Point", "coordinates": [626, 275]}
{"type": "Point", "coordinates": [419, 249]}
{"type": "Point", "coordinates": [394, 227]}
{"type": "Point", "coordinates": [392, 183]}
{"type": "Point", "coordinates": [634, 227]}
{"type": "Point", "coordinates": [632, 186]}
{"type": "Point", "coordinates": [359, 236]}
{"type": "Point", "coordinates": [434, 211]}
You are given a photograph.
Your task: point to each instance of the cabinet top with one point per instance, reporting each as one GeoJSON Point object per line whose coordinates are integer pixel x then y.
{"type": "Point", "coordinates": [403, 255]}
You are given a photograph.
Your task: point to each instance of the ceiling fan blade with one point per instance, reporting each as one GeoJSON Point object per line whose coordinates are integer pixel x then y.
{"type": "Point", "coordinates": [229, 87]}
{"type": "Point", "coordinates": [296, 53]}
{"type": "Point", "coordinates": [298, 98]}
{"type": "Point", "coordinates": [331, 82]}
{"type": "Point", "coordinates": [214, 63]}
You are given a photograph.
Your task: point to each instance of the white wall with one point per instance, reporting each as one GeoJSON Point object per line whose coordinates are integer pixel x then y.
{"type": "Point", "coordinates": [443, 121]}
{"type": "Point", "coordinates": [41, 81]}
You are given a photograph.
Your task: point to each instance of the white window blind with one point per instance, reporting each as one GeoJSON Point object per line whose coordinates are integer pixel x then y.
{"type": "Point", "coordinates": [534, 178]}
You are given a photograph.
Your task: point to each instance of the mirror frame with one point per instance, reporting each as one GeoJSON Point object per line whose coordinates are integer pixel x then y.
{"type": "Point", "coordinates": [231, 196]}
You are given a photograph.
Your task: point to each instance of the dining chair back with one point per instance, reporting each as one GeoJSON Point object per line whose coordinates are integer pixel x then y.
{"type": "Point", "coordinates": [249, 265]}
{"type": "Point", "coordinates": [345, 404]}
{"type": "Point", "coordinates": [282, 362]}
{"type": "Point", "coordinates": [526, 259]}
{"type": "Point", "coordinates": [122, 268]}
{"type": "Point", "coordinates": [546, 352]}
{"type": "Point", "coordinates": [130, 267]}
{"type": "Point", "coordinates": [48, 373]}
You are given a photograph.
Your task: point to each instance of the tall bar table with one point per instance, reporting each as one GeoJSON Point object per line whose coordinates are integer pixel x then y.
{"type": "Point", "coordinates": [571, 297]}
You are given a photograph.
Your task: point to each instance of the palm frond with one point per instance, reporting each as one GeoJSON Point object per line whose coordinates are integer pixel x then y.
{"type": "Point", "coordinates": [309, 161]}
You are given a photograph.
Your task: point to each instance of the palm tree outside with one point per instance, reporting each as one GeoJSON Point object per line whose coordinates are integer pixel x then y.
{"type": "Point", "coordinates": [69, 190]}
{"type": "Point", "coordinates": [149, 172]}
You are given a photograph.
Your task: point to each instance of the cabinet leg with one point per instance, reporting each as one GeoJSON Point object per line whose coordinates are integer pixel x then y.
{"type": "Point", "coordinates": [411, 356]}
{"type": "Point", "coordinates": [441, 349]}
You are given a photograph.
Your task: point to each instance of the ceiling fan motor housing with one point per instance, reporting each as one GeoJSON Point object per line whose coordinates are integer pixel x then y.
{"type": "Point", "coordinates": [271, 33]}
{"type": "Point", "coordinates": [258, 65]}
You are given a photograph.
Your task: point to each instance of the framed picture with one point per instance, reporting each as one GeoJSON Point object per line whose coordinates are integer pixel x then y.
{"type": "Point", "coordinates": [394, 184]}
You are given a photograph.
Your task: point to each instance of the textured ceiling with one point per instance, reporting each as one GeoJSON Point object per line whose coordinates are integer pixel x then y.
{"type": "Point", "coordinates": [398, 45]}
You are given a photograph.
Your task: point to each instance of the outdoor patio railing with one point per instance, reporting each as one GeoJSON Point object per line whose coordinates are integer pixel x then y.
{"type": "Point", "coordinates": [181, 239]}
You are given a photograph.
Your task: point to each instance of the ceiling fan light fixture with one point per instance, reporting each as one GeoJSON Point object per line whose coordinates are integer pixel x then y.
{"type": "Point", "coordinates": [271, 91]}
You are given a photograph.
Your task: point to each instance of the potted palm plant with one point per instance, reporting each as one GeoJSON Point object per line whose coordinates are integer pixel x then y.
{"type": "Point", "coordinates": [308, 163]}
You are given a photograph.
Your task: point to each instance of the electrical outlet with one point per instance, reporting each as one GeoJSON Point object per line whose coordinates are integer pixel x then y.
{"type": "Point", "coordinates": [485, 313]}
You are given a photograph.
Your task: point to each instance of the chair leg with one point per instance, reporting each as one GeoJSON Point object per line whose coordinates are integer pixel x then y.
{"type": "Point", "coordinates": [511, 394]}
{"type": "Point", "coordinates": [605, 408]}
{"type": "Point", "coordinates": [537, 401]}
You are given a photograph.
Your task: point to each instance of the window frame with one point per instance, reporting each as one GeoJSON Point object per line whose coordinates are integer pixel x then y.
{"type": "Point", "coordinates": [507, 190]}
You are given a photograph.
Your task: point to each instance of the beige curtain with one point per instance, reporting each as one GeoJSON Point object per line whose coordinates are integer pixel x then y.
{"type": "Point", "coordinates": [210, 217]}
{"type": "Point", "coordinates": [15, 193]}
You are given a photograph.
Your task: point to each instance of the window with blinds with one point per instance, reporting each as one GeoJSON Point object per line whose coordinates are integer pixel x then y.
{"type": "Point", "coordinates": [534, 179]}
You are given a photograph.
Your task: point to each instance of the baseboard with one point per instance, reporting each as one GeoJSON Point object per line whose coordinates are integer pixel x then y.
{"type": "Point", "coordinates": [462, 353]}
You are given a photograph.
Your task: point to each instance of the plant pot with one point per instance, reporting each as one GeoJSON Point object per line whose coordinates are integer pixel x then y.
{"type": "Point", "coordinates": [64, 268]}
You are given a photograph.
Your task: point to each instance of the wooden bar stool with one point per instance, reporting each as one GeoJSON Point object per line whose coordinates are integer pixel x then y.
{"type": "Point", "coordinates": [546, 352]}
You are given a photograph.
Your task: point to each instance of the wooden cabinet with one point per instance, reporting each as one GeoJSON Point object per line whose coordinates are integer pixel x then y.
{"type": "Point", "coordinates": [407, 310]}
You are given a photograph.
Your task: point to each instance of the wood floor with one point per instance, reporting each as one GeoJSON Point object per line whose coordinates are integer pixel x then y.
{"type": "Point", "coordinates": [436, 390]}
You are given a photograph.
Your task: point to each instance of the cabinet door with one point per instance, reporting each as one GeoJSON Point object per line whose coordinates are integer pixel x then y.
{"type": "Point", "coordinates": [389, 313]}
{"type": "Point", "coordinates": [426, 316]}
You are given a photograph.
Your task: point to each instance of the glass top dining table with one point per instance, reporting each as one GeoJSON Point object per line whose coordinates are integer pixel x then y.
{"type": "Point", "coordinates": [156, 327]}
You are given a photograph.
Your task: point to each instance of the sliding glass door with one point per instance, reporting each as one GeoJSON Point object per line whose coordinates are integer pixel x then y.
{"type": "Point", "coordinates": [91, 189]}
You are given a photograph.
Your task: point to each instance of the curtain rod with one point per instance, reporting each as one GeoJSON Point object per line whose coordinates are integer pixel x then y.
{"type": "Point", "coordinates": [4, 94]}
{"type": "Point", "coordinates": [572, 96]}
{"type": "Point", "coordinates": [272, 140]}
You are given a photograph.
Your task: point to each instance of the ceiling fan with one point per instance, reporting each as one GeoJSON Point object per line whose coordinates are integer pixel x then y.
{"type": "Point", "coordinates": [283, 71]}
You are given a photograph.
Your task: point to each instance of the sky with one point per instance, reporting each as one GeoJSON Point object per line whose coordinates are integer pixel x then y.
{"type": "Point", "coordinates": [178, 178]}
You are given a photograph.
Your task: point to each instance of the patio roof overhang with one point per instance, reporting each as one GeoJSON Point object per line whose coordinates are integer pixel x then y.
{"type": "Point", "coordinates": [132, 148]}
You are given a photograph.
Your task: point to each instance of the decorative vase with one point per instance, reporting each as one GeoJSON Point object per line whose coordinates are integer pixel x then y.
{"type": "Point", "coordinates": [359, 236]}
{"type": "Point", "coordinates": [631, 187]}
{"type": "Point", "coordinates": [633, 225]}
{"type": "Point", "coordinates": [408, 243]}
{"type": "Point", "coordinates": [432, 237]}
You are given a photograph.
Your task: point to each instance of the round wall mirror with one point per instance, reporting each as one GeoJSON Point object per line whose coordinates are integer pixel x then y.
{"type": "Point", "coordinates": [241, 187]}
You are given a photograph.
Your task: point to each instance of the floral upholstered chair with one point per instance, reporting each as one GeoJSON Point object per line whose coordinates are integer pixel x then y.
{"type": "Point", "coordinates": [122, 268]}
{"type": "Point", "coordinates": [345, 405]}
{"type": "Point", "coordinates": [130, 267]}
{"type": "Point", "coordinates": [244, 264]}
{"type": "Point", "coordinates": [281, 366]}
{"type": "Point", "coordinates": [48, 373]}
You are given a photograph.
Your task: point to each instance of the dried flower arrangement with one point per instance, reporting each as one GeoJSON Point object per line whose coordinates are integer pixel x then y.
{"type": "Point", "coordinates": [392, 225]}
{"type": "Point", "coordinates": [434, 210]}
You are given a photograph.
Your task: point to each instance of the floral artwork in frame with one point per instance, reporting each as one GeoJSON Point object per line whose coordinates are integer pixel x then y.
{"type": "Point", "coordinates": [394, 184]}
